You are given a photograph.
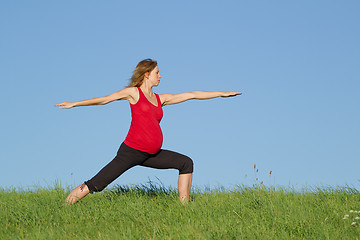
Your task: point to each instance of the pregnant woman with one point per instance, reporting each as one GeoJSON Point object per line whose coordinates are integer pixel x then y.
{"type": "Point", "coordinates": [142, 145]}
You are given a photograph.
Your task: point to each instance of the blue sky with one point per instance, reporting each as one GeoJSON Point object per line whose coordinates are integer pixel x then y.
{"type": "Point", "coordinates": [296, 62]}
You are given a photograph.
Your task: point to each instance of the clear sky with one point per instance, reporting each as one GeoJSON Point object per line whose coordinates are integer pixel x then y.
{"type": "Point", "coordinates": [296, 62]}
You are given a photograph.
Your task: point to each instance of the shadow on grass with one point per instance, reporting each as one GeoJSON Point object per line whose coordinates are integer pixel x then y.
{"type": "Point", "coordinates": [150, 188]}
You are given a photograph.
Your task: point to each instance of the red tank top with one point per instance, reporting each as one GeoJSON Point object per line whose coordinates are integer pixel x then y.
{"type": "Point", "coordinates": [145, 132]}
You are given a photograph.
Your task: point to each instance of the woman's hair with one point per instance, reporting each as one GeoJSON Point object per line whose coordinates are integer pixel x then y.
{"type": "Point", "coordinates": [142, 67]}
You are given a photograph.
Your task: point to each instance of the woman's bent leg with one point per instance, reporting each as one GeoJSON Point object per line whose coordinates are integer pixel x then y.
{"type": "Point", "coordinates": [184, 186]}
{"type": "Point", "coordinates": [166, 159]}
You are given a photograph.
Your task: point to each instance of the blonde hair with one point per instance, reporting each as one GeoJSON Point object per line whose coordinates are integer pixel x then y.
{"type": "Point", "coordinates": [145, 66]}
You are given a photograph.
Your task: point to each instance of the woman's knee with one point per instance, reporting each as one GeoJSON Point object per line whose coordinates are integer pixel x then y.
{"type": "Point", "coordinates": [187, 165]}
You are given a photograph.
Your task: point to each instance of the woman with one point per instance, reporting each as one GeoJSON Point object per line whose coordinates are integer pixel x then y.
{"type": "Point", "coordinates": [142, 145]}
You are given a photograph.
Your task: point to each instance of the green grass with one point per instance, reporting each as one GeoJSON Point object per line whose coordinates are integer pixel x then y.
{"type": "Point", "coordinates": [154, 212]}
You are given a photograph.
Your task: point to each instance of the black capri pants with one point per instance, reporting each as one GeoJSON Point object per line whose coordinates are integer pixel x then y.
{"type": "Point", "coordinates": [128, 157]}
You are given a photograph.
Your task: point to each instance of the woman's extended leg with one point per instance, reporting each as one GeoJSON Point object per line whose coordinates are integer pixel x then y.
{"type": "Point", "coordinates": [125, 159]}
{"type": "Point", "coordinates": [78, 193]}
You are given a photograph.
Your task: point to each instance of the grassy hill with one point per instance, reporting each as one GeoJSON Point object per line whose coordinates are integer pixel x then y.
{"type": "Point", "coordinates": [153, 212]}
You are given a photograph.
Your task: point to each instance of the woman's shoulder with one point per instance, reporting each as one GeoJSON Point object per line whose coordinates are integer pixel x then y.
{"type": "Point", "coordinates": [131, 89]}
{"type": "Point", "coordinates": [133, 94]}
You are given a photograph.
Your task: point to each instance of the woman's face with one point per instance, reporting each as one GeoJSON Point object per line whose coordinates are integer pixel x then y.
{"type": "Point", "coordinates": [154, 76]}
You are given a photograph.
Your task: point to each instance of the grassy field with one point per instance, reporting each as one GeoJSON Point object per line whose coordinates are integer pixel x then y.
{"type": "Point", "coordinates": [154, 212]}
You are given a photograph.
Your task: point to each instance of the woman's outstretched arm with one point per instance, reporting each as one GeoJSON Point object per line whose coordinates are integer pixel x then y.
{"type": "Point", "coordinates": [125, 93]}
{"type": "Point", "coordinates": [167, 99]}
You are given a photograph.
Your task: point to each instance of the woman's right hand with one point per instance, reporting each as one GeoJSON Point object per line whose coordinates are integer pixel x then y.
{"type": "Point", "coordinates": [230, 94]}
{"type": "Point", "coordinates": [65, 105]}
